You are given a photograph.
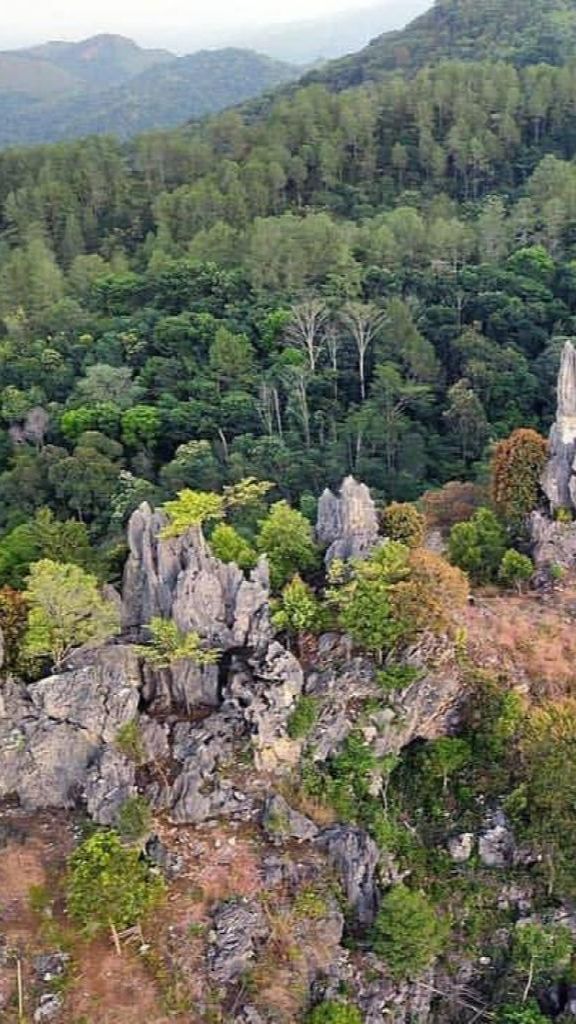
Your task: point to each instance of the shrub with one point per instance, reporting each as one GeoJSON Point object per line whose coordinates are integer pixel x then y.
{"type": "Point", "coordinates": [303, 718]}
{"type": "Point", "coordinates": [403, 522]}
{"type": "Point", "coordinates": [110, 884]}
{"type": "Point", "coordinates": [408, 933]}
{"type": "Point", "coordinates": [134, 819]}
{"type": "Point", "coordinates": [432, 595]}
{"type": "Point", "coordinates": [527, 1014]}
{"type": "Point", "coordinates": [169, 644]}
{"type": "Point", "coordinates": [13, 619]}
{"type": "Point", "coordinates": [331, 1012]}
{"type": "Point", "coordinates": [542, 953]}
{"type": "Point", "coordinates": [453, 503]}
{"type": "Point", "coordinates": [129, 741]}
{"type": "Point", "coordinates": [229, 546]}
{"type": "Point", "coordinates": [515, 569]}
{"type": "Point", "coordinates": [517, 467]}
{"type": "Point", "coordinates": [446, 756]}
{"type": "Point", "coordinates": [287, 539]}
{"type": "Point", "coordinates": [477, 547]}
{"type": "Point", "coordinates": [298, 610]}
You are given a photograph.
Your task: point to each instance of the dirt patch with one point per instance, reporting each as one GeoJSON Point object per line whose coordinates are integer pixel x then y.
{"type": "Point", "coordinates": [112, 989]}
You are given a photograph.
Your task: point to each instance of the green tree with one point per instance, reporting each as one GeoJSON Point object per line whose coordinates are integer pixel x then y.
{"type": "Point", "coordinates": [477, 546]}
{"type": "Point", "coordinates": [403, 522]}
{"type": "Point", "coordinates": [447, 756]}
{"type": "Point", "coordinates": [285, 536]}
{"type": "Point", "coordinates": [66, 610]}
{"type": "Point", "coordinates": [229, 546]}
{"type": "Point", "coordinates": [515, 569]}
{"type": "Point", "coordinates": [169, 644]}
{"type": "Point", "coordinates": [364, 601]}
{"type": "Point", "coordinates": [110, 885]}
{"type": "Point", "coordinates": [541, 953]}
{"type": "Point", "coordinates": [297, 610]}
{"type": "Point", "coordinates": [408, 932]}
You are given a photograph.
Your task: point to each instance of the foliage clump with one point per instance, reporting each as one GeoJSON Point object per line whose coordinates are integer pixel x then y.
{"type": "Point", "coordinates": [66, 610]}
{"type": "Point", "coordinates": [230, 546]}
{"type": "Point", "coordinates": [515, 570]}
{"type": "Point", "coordinates": [168, 644]}
{"type": "Point", "coordinates": [408, 932]}
{"type": "Point", "coordinates": [332, 1012]}
{"type": "Point", "coordinates": [109, 884]}
{"type": "Point", "coordinates": [286, 537]}
{"type": "Point", "coordinates": [298, 609]}
{"type": "Point", "coordinates": [303, 718]}
{"type": "Point", "coordinates": [402, 521]}
{"type": "Point", "coordinates": [478, 546]}
{"type": "Point", "coordinates": [13, 621]}
{"type": "Point", "coordinates": [517, 467]}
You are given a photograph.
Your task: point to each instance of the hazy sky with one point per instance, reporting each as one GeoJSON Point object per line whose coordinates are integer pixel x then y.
{"type": "Point", "coordinates": [173, 23]}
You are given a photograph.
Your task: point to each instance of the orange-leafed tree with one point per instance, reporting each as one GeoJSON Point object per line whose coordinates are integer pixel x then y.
{"type": "Point", "coordinates": [517, 466]}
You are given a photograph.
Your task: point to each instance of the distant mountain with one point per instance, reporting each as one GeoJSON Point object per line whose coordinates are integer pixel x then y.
{"type": "Point", "coordinates": [519, 31]}
{"type": "Point", "coordinates": [306, 42]}
{"type": "Point", "coordinates": [59, 68]}
{"type": "Point", "coordinates": [108, 85]}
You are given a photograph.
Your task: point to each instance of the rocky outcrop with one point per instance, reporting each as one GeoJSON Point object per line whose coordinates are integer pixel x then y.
{"type": "Point", "coordinates": [238, 927]}
{"type": "Point", "coordinates": [558, 480]}
{"type": "Point", "coordinates": [553, 542]}
{"type": "Point", "coordinates": [179, 578]}
{"type": "Point", "coordinates": [347, 524]}
{"type": "Point", "coordinates": [281, 822]}
{"type": "Point", "coordinates": [354, 856]}
{"type": "Point", "coordinates": [54, 733]}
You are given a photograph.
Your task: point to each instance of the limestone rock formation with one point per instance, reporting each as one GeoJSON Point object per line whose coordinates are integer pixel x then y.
{"type": "Point", "coordinates": [238, 927]}
{"type": "Point", "coordinates": [179, 578]}
{"type": "Point", "coordinates": [558, 481]}
{"type": "Point", "coordinates": [53, 733]}
{"type": "Point", "coordinates": [554, 542]}
{"type": "Point", "coordinates": [347, 524]}
{"type": "Point", "coordinates": [354, 856]}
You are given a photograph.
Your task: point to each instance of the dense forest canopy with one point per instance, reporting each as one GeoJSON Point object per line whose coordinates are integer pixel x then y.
{"type": "Point", "coordinates": [376, 280]}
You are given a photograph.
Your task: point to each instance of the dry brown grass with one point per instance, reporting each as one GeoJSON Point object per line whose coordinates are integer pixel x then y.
{"type": "Point", "coordinates": [531, 641]}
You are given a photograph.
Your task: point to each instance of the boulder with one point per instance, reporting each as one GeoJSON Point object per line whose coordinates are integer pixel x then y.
{"type": "Point", "coordinates": [280, 821]}
{"type": "Point", "coordinates": [57, 736]}
{"type": "Point", "coordinates": [461, 847]}
{"type": "Point", "coordinates": [239, 925]}
{"type": "Point", "coordinates": [553, 542]}
{"type": "Point", "coordinates": [347, 525]}
{"type": "Point", "coordinates": [496, 844]}
{"type": "Point", "coordinates": [354, 856]}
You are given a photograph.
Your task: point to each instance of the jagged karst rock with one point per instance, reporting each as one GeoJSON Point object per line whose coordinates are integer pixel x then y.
{"type": "Point", "coordinates": [280, 821]}
{"type": "Point", "coordinates": [354, 856]}
{"type": "Point", "coordinates": [181, 687]}
{"type": "Point", "coordinates": [170, 863]}
{"type": "Point", "coordinates": [277, 683]}
{"type": "Point", "coordinates": [496, 844]}
{"type": "Point", "coordinates": [53, 733]}
{"type": "Point", "coordinates": [179, 578]}
{"type": "Point", "coordinates": [461, 847]}
{"type": "Point", "coordinates": [110, 782]}
{"type": "Point", "coordinates": [553, 542]}
{"type": "Point", "coordinates": [558, 482]}
{"type": "Point", "coordinates": [50, 1008]}
{"type": "Point", "coordinates": [239, 925]}
{"type": "Point", "coordinates": [347, 524]}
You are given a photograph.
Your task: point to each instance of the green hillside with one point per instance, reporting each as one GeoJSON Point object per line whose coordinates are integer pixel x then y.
{"type": "Point", "coordinates": [522, 32]}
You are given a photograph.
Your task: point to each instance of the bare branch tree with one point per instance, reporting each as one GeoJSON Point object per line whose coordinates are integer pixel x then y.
{"type": "Point", "coordinates": [363, 322]}
{"type": "Point", "coordinates": [306, 329]}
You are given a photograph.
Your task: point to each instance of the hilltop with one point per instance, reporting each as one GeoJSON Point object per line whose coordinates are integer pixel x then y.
{"type": "Point", "coordinates": [521, 32]}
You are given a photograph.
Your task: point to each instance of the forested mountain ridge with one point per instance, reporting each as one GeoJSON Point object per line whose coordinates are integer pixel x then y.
{"type": "Point", "coordinates": [108, 85]}
{"type": "Point", "coordinates": [424, 224]}
{"type": "Point", "coordinates": [98, 62]}
{"type": "Point", "coordinates": [522, 32]}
